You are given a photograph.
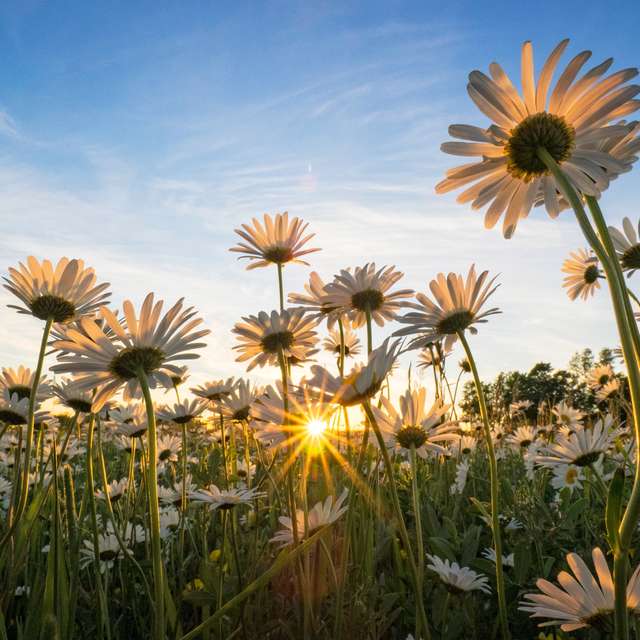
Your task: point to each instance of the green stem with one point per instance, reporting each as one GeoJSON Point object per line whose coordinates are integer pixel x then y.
{"type": "Point", "coordinates": [404, 535]}
{"type": "Point", "coordinates": [152, 482]}
{"type": "Point", "coordinates": [630, 342]}
{"type": "Point", "coordinates": [281, 285]}
{"type": "Point", "coordinates": [417, 512]}
{"type": "Point", "coordinates": [24, 482]}
{"type": "Point", "coordinates": [495, 499]}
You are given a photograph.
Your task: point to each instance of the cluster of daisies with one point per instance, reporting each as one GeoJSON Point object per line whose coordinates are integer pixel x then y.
{"type": "Point", "coordinates": [112, 366]}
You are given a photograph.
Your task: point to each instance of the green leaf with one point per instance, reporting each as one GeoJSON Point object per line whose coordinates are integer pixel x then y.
{"type": "Point", "coordinates": [614, 506]}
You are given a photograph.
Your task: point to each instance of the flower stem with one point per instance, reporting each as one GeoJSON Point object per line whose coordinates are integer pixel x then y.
{"type": "Point", "coordinates": [421, 615]}
{"type": "Point", "coordinates": [417, 513]}
{"type": "Point", "coordinates": [495, 498]}
{"type": "Point", "coordinates": [154, 513]}
{"type": "Point", "coordinates": [281, 286]}
{"type": "Point", "coordinates": [630, 342]}
{"type": "Point", "coordinates": [24, 481]}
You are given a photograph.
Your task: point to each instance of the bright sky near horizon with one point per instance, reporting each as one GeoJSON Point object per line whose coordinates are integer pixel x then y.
{"type": "Point", "coordinates": [138, 135]}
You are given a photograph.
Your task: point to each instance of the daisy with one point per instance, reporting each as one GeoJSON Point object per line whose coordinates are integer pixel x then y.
{"type": "Point", "coordinates": [462, 445]}
{"type": "Point", "coordinates": [320, 515]}
{"type": "Point", "coordinates": [116, 489]}
{"type": "Point", "coordinates": [433, 355]}
{"type": "Point", "coordinates": [182, 412]}
{"type": "Point", "coordinates": [169, 448]}
{"type": "Point", "coordinates": [169, 522]}
{"type": "Point", "coordinates": [367, 291]}
{"type": "Point", "coordinates": [263, 337]}
{"type": "Point", "coordinates": [607, 390]}
{"type": "Point", "coordinates": [627, 246]}
{"type": "Point", "coordinates": [568, 121]}
{"type": "Point", "coordinates": [414, 426]}
{"type": "Point", "coordinates": [599, 376]}
{"type": "Point", "coordinates": [279, 241]}
{"type": "Point", "coordinates": [180, 376]}
{"type": "Point", "coordinates": [62, 293]}
{"type": "Point", "coordinates": [458, 579]}
{"type": "Point", "coordinates": [237, 404]}
{"type": "Point", "coordinates": [214, 390]}
{"type": "Point", "coordinates": [566, 476]}
{"type": "Point", "coordinates": [15, 410]}
{"type": "Point", "coordinates": [583, 447]}
{"type": "Point", "coordinates": [362, 382]}
{"type": "Point", "coordinates": [109, 550]}
{"type": "Point", "coordinates": [130, 420]}
{"type": "Point", "coordinates": [580, 601]}
{"type": "Point", "coordinates": [582, 272]}
{"type": "Point", "coordinates": [332, 343]}
{"type": "Point", "coordinates": [70, 395]}
{"type": "Point", "coordinates": [522, 437]}
{"type": "Point", "coordinates": [460, 481]}
{"type": "Point", "coordinates": [315, 302]}
{"type": "Point", "coordinates": [518, 407]}
{"type": "Point", "coordinates": [507, 561]}
{"type": "Point", "coordinates": [567, 416]}
{"type": "Point", "coordinates": [146, 345]}
{"type": "Point", "coordinates": [226, 498]}
{"type": "Point", "coordinates": [458, 306]}
{"type": "Point", "coordinates": [172, 496]}
{"type": "Point", "coordinates": [20, 382]}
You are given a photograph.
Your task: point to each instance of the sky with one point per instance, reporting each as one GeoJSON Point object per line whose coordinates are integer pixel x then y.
{"type": "Point", "coordinates": [138, 135]}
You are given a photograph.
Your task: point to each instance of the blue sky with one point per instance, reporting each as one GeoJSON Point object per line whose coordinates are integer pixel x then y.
{"type": "Point", "coordinates": [137, 135]}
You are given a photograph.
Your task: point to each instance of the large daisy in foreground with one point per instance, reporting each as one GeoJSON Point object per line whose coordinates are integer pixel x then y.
{"type": "Point", "coordinates": [572, 121]}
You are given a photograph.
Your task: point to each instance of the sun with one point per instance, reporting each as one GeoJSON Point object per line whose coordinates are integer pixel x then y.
{"type": "Point", "coordinates": [316, 428]}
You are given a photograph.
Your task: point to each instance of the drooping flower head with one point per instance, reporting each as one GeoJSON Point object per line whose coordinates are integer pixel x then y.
{"type": "Point", "coordinates": [70, 395]}
{"type": "Point", "coordinates": [320, 515]}
{"type": "Point", "coordinates": [583, 272]}
{"type": "Point", "coordinates": [214, 390]}
{"type": "Point", "coordinates": [572, 121]}
{"type": "Point", "coordinates": [367, 290]}
{"type": "Point", "coordinates": [148, 344]}
{"type": "Point", "coordinates": [457, 306]}
{"type": "Point", "coordinates": [457, 579]}
{"type": "Point", "coordinates": [263, 337]}
{"type": "Point", "coordinates": [62, 294]}
{"type": "Point", "coordinates": [277, 241]}
{"type": "Point", "coordinates": [362, 382]}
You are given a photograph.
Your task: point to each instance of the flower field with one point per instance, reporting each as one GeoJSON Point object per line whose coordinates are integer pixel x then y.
{"type": "Point", "coordinates": [330, 504]}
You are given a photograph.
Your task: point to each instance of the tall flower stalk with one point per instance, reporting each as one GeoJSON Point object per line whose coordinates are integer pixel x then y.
{"type": "Point", "coordinates": [495, 488]}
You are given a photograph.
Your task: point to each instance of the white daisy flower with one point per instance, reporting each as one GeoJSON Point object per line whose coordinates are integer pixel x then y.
{"type": "Point", "coordinates": [507, 561]}
{"type": "Point", "coordinates": [583, 271]}
{"type": "Point", "coordinates": [332, 343]}
{"type": "Point", "coordinates": [627, 246]}
{"type": "Point", "coordinates": [146, 345]}
{"type": "Point", "coordinates": [414, 425]}
{"type": "Point", "coordinates": [580, 601]}
{"type": "Point", "coordinates": [315, 303]}
{"type": "Point", "coordinates": [182, 412]}
{"type": "Point", "coordinates": [62, 293]}
{"type": "Point", "coordinates": [277, 241]}
{"type": "Point", "coordinates": [20, 382]}
{"type": "Point", "coordinates": [225, 498]}
{"type": "Point", "coordinates": [116, 489]}
{"type": "Point", "coordinates": [367, 290]}
{"type": "Point", "coordinates": [571, 122]}
{"type": "Point", "coordinates": [458, 579]}
{"type": "Point", "coordinates": [599, 376]}
{"type": "Point", "coordinates": [214, 390]}
{"type": "Point", "coordinates": [320, 515]}
{"type": "Point", "coordinates": [457, 307]}
{"type": "Point", "coordinates": [237, 404]}
{"type": "Point", "coordinates": [264, 336]}
{"type": "Point", "coordinates": [362, 382]}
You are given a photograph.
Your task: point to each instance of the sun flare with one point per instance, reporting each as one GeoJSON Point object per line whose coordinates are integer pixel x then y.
{"type": "Point", "coordinates": [316, 428]}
